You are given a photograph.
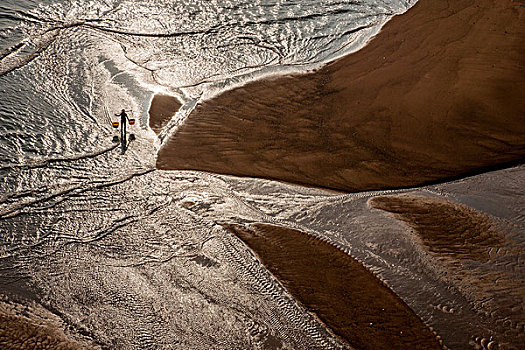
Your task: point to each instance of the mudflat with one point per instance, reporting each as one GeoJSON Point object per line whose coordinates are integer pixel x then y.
{"type": "Point", "coordinates": [162, 108]}
{"type": "Point", "coordinates": [438, 93]}
{"type": "Point", "coordinates": [336, 287]}
{"type": "Point", "coordinates": [462, 240]}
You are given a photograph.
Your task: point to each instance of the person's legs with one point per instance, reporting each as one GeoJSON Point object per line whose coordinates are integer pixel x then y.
{"type": "Point", "coordinates": [123, 140]}
{"type": "Point", "coordinates": [123, 131]}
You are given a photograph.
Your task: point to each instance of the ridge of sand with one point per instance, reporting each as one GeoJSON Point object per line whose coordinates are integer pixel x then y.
{"type": "Point", "coordinates": [437, 94]}
{"type": "Point", "coordinates": [33, 327]}
{"type": "Point", "coordinates": [446, 228]}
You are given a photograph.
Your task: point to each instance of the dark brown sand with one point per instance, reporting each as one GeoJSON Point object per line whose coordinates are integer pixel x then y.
{"type": "Point", "coordinates": [445, 228]}
{"type": "Point", "coordinates": [473, 254]}
{"type": "Point", "coordinates": [25, 328]}
{"type": "Point", "coordinates": [438, 93]}
{"type": "Point", "coordinates": [336, 287]}
{"type": "Point", "coordinates": [162, 108]}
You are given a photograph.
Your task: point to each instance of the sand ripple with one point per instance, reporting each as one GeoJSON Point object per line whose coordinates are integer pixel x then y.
{"type": "Point", "coordinates": [336, 287]}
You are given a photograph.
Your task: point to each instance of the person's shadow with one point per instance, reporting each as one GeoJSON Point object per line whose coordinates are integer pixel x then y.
{"type": "Point", "coordinates": [124, 141]}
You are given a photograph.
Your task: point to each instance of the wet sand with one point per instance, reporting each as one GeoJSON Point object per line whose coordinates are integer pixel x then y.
{"type": "Point", "coordinates": [337, 288]}
{"type": "Point", "coordinates": [437, 94]}
{"type": "Point", "coordinates": [162, 108]}
{"type": "Point", "coordinates": [26, 327]}
{"type": "Point", "coordinates": [445, 228]}
{"type": "Point", "coordinates": [472, 253]}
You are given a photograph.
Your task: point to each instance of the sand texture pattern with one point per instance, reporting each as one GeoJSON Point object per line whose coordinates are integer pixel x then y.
{"type": "Point", "coordinates": [473, 254]}
{"type": "Point", "coordinates": [336, 287]}
{"type": "Point", "coordinates": [25, 327]}
{"type": "Point", "coordinates": [437, 94]}
{"type": "Point", "coordinates": [446, 228]}
{"type": "Point", "coordinates": [162, 108]}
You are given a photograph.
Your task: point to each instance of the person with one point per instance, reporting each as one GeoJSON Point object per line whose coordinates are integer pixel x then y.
{"type": "Point", "coordinates": [123, 119]}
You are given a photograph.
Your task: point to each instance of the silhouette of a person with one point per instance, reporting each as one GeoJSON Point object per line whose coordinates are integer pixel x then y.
{"type": "Point", "coordinates": [123, 119]}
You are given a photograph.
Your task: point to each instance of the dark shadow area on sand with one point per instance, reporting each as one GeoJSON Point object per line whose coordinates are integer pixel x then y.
{"type": "Point", "coordinates": [337, 288]}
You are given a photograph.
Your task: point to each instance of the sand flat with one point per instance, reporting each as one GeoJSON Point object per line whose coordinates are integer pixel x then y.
{"type": "Point", "coordinates": [33, 327]}
{"type": "Point", "coordinates": [446, 228]}
{"type": "Point", "coordinates": [337, 288]}
{"type": "Point", "coordinates": [470, 246]}
{"type": "Point", "coordinates": [437, 94]}
{"type": "Point", "coordinates": [162, 108]}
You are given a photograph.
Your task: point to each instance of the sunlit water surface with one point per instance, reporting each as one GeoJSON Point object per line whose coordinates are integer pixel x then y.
{"type": "Point", "coordinates": [134, 257]}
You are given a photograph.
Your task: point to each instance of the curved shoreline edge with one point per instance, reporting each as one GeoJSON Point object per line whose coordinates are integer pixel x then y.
{"type": "Point", "coordinates": [436, 94]}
